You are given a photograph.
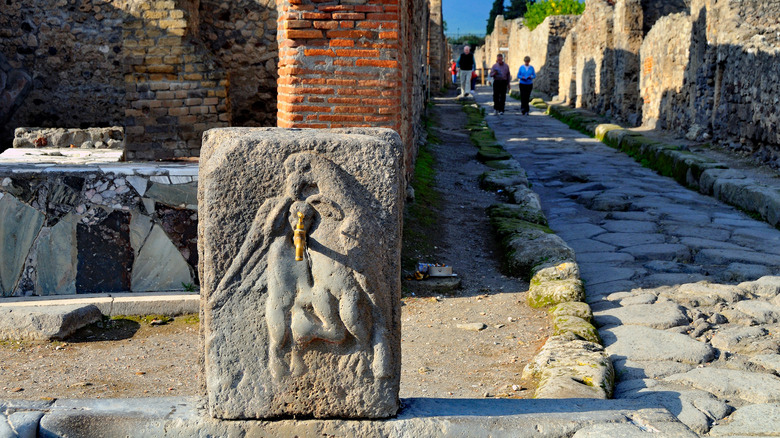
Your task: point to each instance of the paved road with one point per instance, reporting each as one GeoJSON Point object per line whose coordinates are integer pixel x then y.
{"type": "Point", "coordinates": [685, 289]}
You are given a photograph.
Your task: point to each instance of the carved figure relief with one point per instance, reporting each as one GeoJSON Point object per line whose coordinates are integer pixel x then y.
{"type": "Point", "coordinates": [324, 297]}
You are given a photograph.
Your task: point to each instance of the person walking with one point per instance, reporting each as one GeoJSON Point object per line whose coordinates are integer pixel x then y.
{"type": "Point", "coordinates": [465, 66]}
{"type": "Point", "coordinates": [501, 76]}
{"type": "Point", "coordinates": [526, 75]}
{"type": "Point", "coordinates": [454, 71]}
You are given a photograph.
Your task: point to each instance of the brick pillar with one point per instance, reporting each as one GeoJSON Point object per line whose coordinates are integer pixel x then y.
{"type": "Point", "coordinates": [339, 64]}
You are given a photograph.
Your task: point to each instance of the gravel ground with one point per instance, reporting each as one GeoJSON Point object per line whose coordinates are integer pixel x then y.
{"type": "Point", "coordinates": [128, 358]}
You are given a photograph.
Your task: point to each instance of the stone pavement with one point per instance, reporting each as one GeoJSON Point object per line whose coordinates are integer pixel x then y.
{"type": "Point", "coordinates": [684, 289]}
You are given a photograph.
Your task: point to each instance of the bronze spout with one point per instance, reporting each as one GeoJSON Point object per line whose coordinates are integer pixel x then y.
{"type": "Point", "coordinates": [299, 238]}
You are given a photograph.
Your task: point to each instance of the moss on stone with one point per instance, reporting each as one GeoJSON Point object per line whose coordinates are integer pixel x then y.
{"type": "Point", "coordinates": [514, 211]}
{"type": "Point", "coordinates": [572, 308]}
{"type": "Point", "coordinates": [502, 179]}
{"type": "Point", "coordinates": [483, 138]}
{"type": "Point", "coordinates": [491, 153]}
{"type": "Point", "coordinates": [550, 293]}
{"type": "Point", "coordinates": [503, 164]}
{"type": "Point", "coordinates": [578, 326]}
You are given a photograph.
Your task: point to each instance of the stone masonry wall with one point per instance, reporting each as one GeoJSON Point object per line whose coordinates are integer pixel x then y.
{"type": "Point", "coordinates": [567, 70]}
{"type": "Point", "coordinates": [175, 89]}
{"type": "Point", "coordinates": [543, 45]}
{"type": "Point", "coordinates": [72, 50]}
{"type": "Point", "coordinates": [437, 47]}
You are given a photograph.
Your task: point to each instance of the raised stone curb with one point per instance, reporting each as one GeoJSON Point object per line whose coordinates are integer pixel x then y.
{"type": "Point", "coordinates": [186, 417]}
{"type": "Point", "coordinates": [687, 168]}
{"type": "Point", "coordinates": [48, 318]}
{"type": "Point", "coordinates": [571, 364]}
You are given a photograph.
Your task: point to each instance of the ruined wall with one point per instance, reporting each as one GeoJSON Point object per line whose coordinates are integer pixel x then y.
{"type": "Point", "coordinates": [162, 69]}
{"type": "Point", "coordinates": [629, 19]}
{"type": "Point", "coordinates": [543, 45]}
{"type": "Point", "coordinates": [595, 72]}
{"type": "Point", "coordinates": [567, 70]}
{"type": "Point", "coordinates": [72, 52]}
{"type": "Point", "coordinates": [664, 59]}
{"type": "Point", "coordinates": [438, 58]}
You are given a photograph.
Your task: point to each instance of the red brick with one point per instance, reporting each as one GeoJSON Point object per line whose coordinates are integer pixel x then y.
{"type": "Point", "coordinates": [326, 25]}
{"type": "Point", "coordinates": [389, 25]}
{"type": "Point", "coordinates": [315, 16]}
{"type": "Point", "coordinates": [315, 99]}
{"type": "Point", "coordinates": [289, 16]}
{"type": "Point", "coordinates": [369, 25]}
{"type": "Point", "coordinates": [382, 17]}
{"type": "Point", "coordinates": [290, 99]}
{"type": "Point", "coordinates": [336, 8]}
{"type": "Point", "coordinates": [372, 83]}
{"type": "Point", "coordinates": [388, 35]}
{"type": "Point", "coordinates": [383, 63]}
{"type": "Point", "coordinates": [380, 102]}
{"type": "Point", "coordinates": [313, 81]}
{"type": "Point", "coordinates": [313, 90]}
{"type": "Point", "coordinates": [319, 52]}
{"type": "Point", "coordinates": [343, 63]}
{"type": "Point", "coordinates": [388, 110]}
{"type": "Point", "coordinates": [342, 82]}
{"type": "Point", "coordinates": [349, 16]}
{"type": "Point", "coordinates": [347, 100]}
{"type": "Point", "coordinates": [369, 8]}
{"type": "Point", "coordinates": [342, 43]}
{"type": "Point", "coordinates": [302, 34]}
{"type": "Point", "coordinates": [354, 92]}
{"type": "Point", "coordinates": [302, 7]}
{"type": "Point", "coordinates": [379, 119]}
{"type": "Point", "coordinates": [290, 108]}
{"type": "Point", "coordinates": [347, 24]}
{"type": "Point", "coordinates": [296, 24]}
{"type": "Point", "coordinates": [358, 52]}
{"type": "Point", "coordinates": [354, 109]}
{"type": "Point", "coordinates": [341, 118]}
{"type": "Point", "coordinates": [351, 34]}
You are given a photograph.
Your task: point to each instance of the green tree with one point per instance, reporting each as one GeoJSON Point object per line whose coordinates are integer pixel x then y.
{"type": "Point", "coordinates": [542, 9]}
{"type": "Point", "coordinates": [517, 8]}
{"type": "Point", "coordinates": [471, 40]}
{"type": "Point", "coordinates": [498, 9]}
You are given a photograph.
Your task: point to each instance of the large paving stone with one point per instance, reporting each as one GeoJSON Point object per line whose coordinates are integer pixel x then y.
{"type": "Point", "coordinates": [644, 343]}
{"type": "Point", "coordinates": [658, 315]}
{"type": "Point", "coordinates": [704, 294]}
{"type": "Point", "coordinates": [727, 256]}
{"type": "Point", "coordinates": [318, 337]}
{"type": "Point", "coordinates": [728, 384]}
{"type": "Point", "coordinates": [626, 226]}
{"type": "Point", "coordinates": [43, 323]}
{"type": "Point", "coordinates": [622, 240]}
{"type": "Point", "coordinates": [746, 340]}
{"type": "Point", "coordinates": [766, 287]}
{"type": "Point", "coordinates": [652, 369]}
{"type": "Point", "coordinates": [603, 257]}
{"type": "Point", "coordinates": [597, 273]}
{"type": "Point", "coordinates": [588, 245]}
{"type": "Point", "coordinates": [659, 251]}
{"type": "Point", "coordinates": [19, 225]}
{"type": "Point", "coordinates": [696, 408]}
{"type": "Point", "coordinates": [751, 420]}
{"type": "Point", "coordinates": [761, 311]}
{"type": "Point", "coordinates": [580, 231]}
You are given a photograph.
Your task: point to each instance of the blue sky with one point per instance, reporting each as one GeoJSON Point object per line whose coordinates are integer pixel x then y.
{"type": "Point", "coordinates": [466, 16]}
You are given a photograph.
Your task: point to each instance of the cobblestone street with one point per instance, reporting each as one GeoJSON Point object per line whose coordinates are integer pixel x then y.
{"type": "Point", "coordinates": [684, 288]}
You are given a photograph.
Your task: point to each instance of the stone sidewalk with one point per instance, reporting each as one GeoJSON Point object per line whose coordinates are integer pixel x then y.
{"type": "Point", "coordinates": [684, 289]}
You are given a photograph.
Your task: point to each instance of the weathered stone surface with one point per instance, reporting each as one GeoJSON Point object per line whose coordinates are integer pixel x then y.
{"type": "Point", "coordinates": [45, 322]}
{"type": "Point", "coordinates": [659, 315]}
{"type": "Point", "coordinates": [748, 340]}
{"type": "Point", "coordinates": [626, 369]}
{"type": "Point", "coordinates": [704, 294]}
{"type": "Point", "coordinates": [501, 179]}
{"type": "Point", "coordinates": [556, 271]}
{"type": "Point", "coordinates": [523, 212]}
{"type": "Point", "coordinates": [761, 311]}
{"type": "Point", "coordinates": [550, 293]}
{"type": "Point", "coordinates": [571, 368]}
{"type": "Point", "coordinates": [751, 420]}
{"type": "Point", "coordinates": [724, 383]}
{"type": "Point", "coordinates": [572, 308]}
{"type": "Point", "coordinates": [643, 343]}
{"type": "Point", "coordinates": [765, 287]}
{"type": "Point", "coordinates": [174, 195]}
{"type": "Point", "coordinates": [324, 332]}
{"type": "Point", "coordinates": [576, 325]}
{"type": "Point", "coordinates": [19, 225]}
{"type": "Point", "coordinates": [531, 247]}
{"type": "Point", "coordinates": [159, 265]}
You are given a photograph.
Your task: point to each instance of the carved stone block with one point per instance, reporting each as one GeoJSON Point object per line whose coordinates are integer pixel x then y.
{"type": "Point", "coordinates": [317, 337]}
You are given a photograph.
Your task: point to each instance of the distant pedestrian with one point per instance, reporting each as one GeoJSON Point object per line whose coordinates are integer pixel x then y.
{"type": "Point", "coordinates": [526, 75]}
{"type": "Point", "coordinates": [501, 76]}
{"type": "Point", "coordinates": [465, 67]}
{"type": "Point", "coordinates": [454, 71]}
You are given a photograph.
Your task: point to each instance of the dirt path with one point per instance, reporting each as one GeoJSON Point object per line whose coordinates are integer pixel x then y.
{"type": "Point", "coordinates": [136, 359]}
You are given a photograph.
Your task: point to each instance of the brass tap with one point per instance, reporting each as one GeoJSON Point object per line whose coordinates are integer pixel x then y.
{"type": "Point", "coordinates": [299, 238]}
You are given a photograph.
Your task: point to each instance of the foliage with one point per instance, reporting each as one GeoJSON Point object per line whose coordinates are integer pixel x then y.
{"type": "Point", "coordinates": [542, 9]}
{"type": "Point", "coordinates": [498, 9]}
{"type": "Point", "coordinates": [471, 40]}
{"type": "Point", "coordinates": [517, 8]}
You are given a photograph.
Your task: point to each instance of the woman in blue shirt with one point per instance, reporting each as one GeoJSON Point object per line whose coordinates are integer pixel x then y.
{"type": "Point", "coordinates": [526, 75]}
